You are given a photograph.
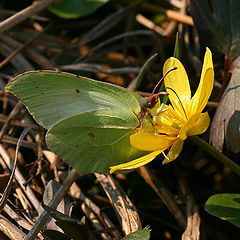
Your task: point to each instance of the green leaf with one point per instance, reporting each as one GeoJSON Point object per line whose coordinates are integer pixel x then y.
{"type": "Point", "coordinates": [218, 24]}
{"type": "Point", "coordinates": [56, 235]}
{"type": "Point", "coordinates": [143, 234]}
{"type": "Point", "coordinates": [75, 8]}
{"type": "Point", "coordinates": [89, 122]}
{"type": "Point", "coordinates": [225, 206]}
{"type": "Point", "coordinates": [140, 75]}
{"type": "Point", "coordinates": [73, 228]}
{"type": "Point", "coordinates": [178, 47]}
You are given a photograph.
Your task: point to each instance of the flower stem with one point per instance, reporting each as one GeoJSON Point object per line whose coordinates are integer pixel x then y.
{"type": "Point", "coordinates": [216, 154]}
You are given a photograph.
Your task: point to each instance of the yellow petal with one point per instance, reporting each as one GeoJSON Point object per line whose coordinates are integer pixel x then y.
{"type": "Point", "coordinates": [177, 85]}
{"type": "Point", "coordinates": [197, 124]}
{"type": "Point", "coordinates": [139, 162]}
{"type": "Point", "coordinates": [174, 151]}
{"type": "Point", "coordinates": [201, 96]}
{"type": "Point", "coordinates": [151, 142]}
{"type": "Point", "coordinates": [167, 129]}
{"type": "Point", "coordinates": [200, 126]}
{"type": "Point", "coordinates": [169, 115]}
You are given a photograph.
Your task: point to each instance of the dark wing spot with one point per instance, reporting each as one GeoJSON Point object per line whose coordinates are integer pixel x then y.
{"type": "Point", "coordinates": [91, 134]}
{"type": "Point", "coordinates": [77, 90]}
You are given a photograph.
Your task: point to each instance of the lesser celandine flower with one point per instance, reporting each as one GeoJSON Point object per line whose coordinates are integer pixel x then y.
{"type": "Point", "coordinates": [175, 122]}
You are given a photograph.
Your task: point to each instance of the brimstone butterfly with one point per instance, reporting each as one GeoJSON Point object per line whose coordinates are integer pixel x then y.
{"type": "Point", "coordinates": [89, 122]}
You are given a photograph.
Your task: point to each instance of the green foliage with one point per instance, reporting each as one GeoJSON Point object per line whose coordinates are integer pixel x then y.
{"type": "Point", "coordinates": [178, 48]}
{"type": "Point", "coordinates": [75, 8]}
{"type": "Point", "coordinates": [225, 206]}
{"type": "Point", "coordinates": [88, 122]}
{"type": "Point", "coordinates": [72, 228]}
{"type": "Point", "coordinates": [143, 234]}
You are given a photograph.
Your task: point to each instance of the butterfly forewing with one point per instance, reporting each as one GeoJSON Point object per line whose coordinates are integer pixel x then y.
{"type": "Point", "coordinates": [53, 96]}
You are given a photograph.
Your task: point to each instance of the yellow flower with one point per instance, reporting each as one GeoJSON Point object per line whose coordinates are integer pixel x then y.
{"type": "Point", "coordinates": [176, 122]}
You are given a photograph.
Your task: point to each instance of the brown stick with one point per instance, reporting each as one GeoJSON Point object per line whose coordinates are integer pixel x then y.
{"type": "Point", "coordinates": [24, 14]}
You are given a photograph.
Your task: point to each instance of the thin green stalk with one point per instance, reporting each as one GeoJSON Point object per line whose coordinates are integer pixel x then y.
{"type": "Point", "coordinates": [216, 154]}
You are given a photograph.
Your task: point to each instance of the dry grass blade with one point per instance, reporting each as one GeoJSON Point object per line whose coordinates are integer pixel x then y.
{"type": "Point", "coordinates": [9, 119]}
{"type": "Point", "coordinates": [116, 38]}
{"type": "Point", "coordinates": [20, 221]}
{"type": "Point", "coordinates": [116, 47]}
{"type": "Point", "coordinates": [24, 14]}
{"type": "Point", "coordinates": [19, 61]}
{"type": "Point", "coordinates": [107, 24]}
{"type": "Point", "coordinates": [19, 177]}
{"type": "Point", "coordinates": [77, 193]}
{"type": "Point", "coordinates": [8, 188]}
{"type": "Point", "coordinates": [10, 230]}
{"type": "Point", "coordinates": [124, 208]}
{"type": "Point", "coordinates": [13, 141]}
{"type": "Point", "coordinates": [19, 49]}
{"type": "Point", "coordinates": [18, 123]}
{"type": "Point", "coordinates": [89, 67]}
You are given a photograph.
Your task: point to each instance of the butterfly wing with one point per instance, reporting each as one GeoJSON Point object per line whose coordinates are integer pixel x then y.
{"type": "Point", "coordinates": [53, 96]}
{"type": "Point", "coordinates": [93, 141]}
{"type": "Point", "coordinates": [88, 122]}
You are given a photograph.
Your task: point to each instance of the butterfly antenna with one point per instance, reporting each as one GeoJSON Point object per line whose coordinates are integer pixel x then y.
{"type": "Point", "coordinates": [179, 100]}
{"type": "Point", "coordinates": [159, 82]}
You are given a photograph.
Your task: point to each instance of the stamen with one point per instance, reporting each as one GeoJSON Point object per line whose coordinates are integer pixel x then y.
{"type": "Point", "coordinates": [165, 155]}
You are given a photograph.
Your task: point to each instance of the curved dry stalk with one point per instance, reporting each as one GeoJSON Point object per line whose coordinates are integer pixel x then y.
{"type": "Point", "coordinates": [8, 188]}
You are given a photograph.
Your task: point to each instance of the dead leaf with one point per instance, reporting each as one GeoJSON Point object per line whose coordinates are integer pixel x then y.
{"type": "Point", "coordinates": [226, 123]}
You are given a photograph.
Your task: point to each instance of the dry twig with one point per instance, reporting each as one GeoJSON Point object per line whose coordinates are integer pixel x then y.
{"type": "Point", "coordinates": [124, 208]}
{"type": "Point", "coordinates": [24, 14]}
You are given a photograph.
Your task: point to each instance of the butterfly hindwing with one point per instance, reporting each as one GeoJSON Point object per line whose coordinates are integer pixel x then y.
{"type": "Point", "coordinates": [91, 142]}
